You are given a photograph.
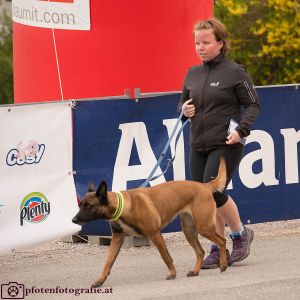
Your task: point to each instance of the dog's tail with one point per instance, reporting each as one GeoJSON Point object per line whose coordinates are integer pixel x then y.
{"type": "Point", "coordinates": [219, 183]}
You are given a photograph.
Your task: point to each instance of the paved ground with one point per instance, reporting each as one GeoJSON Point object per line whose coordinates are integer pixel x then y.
{"type": "Point", "coordinates": [272, 271]}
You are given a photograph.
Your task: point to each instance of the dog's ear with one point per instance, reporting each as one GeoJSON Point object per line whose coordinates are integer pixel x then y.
{"type": "Point", "coordinates": [102, 193]}
{"type": "Point", "coordinates": [102, 189]}
{"type": "Point", "coordinates": [91, 187]}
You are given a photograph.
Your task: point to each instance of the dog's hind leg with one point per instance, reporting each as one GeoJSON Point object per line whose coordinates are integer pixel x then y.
{"type": "Point", "coordinates": [205, 222]}
{"type": "Point", "coordinates": [191, 234]}
{"type": "Point", "coordinates": [221, 242]}
{"type": "Point", "coordinates": [158, 240]}
{"type": "Point", "coordinates": [114, 249]}
{"type": "Point", "coordinates": [211, 234]}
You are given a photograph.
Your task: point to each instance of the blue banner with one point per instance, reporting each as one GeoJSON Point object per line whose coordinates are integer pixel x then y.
{"type": "Point", "coordinates": [119, 141]}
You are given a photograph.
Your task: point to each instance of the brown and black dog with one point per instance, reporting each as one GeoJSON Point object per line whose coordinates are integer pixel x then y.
{"type": "Point", "coordinates": [145, 211]}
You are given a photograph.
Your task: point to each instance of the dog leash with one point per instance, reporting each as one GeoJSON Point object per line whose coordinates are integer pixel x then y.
{"type": "Point", "coordinates": [162, 155]}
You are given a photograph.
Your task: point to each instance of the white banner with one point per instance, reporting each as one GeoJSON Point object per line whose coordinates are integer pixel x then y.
{"type": "Point", "coordinates": [57, 14]}
{"type": "Point", "coordinates": [37, 191]}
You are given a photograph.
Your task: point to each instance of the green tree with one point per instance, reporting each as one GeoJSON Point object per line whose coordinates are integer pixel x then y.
{"type": "Point", "coordinates": [6, 59]}
{"type": "Point", "coordinates": [265, 37]}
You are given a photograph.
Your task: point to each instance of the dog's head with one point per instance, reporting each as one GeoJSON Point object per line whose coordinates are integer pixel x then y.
{"type": "Point", "coordinates": [94, 205]}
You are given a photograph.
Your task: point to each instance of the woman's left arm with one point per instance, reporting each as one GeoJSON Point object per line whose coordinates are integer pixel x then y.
{"type": "Point", "coordinates": [248, 98]}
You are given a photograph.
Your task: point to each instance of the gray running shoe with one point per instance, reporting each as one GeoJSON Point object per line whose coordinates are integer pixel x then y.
{"type": "Point", "coordinates": [241, 245]}
{"type": "Point", "coordinates": [212, 260]}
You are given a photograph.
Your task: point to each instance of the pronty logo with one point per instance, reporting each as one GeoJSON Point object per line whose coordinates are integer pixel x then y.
{"type": "Point", "coordinates": [34, 208]}
{"type": "Point", "coordinates": [29, 153]}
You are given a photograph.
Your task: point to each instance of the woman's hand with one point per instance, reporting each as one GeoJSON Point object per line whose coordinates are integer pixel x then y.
{"type": "Point", "coordinates": [188, 109]}
{"type": "Point", "coordinates": [233, 138]}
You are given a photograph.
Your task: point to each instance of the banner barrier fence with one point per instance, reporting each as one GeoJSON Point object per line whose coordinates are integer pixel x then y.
{"type": "Point", "coordinates": [120, 141]}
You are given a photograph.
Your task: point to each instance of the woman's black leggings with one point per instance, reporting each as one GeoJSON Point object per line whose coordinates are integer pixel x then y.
{"type": "Point", "coordinates": [204, 167]}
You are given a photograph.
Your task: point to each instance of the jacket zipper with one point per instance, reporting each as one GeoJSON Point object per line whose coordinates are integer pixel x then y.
{"type": "Point", "coordinates": [202, 110]}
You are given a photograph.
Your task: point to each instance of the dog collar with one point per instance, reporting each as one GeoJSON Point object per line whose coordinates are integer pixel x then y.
{"type": "Point", "coordinates": [119, 209]}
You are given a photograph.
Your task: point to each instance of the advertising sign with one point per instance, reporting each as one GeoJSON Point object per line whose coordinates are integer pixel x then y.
{"type": "Point", "coordinates": [120, 141]}
{"type": "Point", "coordinates": [57, 14]}
{"type": "Point", "coordinates": [102, 48]}
{"type": "Point", "coordinates": [37, 192]}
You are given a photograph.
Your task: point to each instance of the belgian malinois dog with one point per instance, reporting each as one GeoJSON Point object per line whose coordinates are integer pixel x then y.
{"type": "Point", "coordinates": [145, 211]}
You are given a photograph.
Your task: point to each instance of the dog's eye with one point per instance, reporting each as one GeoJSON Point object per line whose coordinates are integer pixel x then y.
{"type": "Point", "coordinates": [87, 206]}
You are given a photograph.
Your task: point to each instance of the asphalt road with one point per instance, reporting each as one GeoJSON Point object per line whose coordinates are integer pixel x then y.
{"type": "Point", "coordinates": [272, 271]}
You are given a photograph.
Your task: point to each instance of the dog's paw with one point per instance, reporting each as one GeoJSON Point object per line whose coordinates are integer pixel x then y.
{"type": "Point", "coordinates": [97, 284]}
{"type": "Point", "coordinates": [223, 268]}
{"type": "Point", "coordinates": [192, 273]}
{"type": "Point", "coordinates": [171, 276]}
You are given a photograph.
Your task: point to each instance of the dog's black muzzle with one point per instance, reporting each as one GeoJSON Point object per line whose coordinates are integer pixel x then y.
{"type": "Point", "coordinates": [78, 221]}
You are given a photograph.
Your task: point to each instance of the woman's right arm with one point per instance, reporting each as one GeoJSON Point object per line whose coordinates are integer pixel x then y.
{"type": "Point", "coordinates": [184, 97]}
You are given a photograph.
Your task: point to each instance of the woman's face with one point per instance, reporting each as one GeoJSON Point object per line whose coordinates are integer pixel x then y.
{"type": "Point", "coordinates": [207, 47]}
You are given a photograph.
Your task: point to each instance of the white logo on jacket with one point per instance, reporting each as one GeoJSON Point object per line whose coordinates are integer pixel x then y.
{"type": "Point", "coordinates": [215, 83]}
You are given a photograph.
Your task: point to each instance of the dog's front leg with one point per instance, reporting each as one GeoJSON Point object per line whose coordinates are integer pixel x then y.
{"type": "Point", "coordinates": [161, 246]}
{"type": "Point", "coordinates": [114, 249]}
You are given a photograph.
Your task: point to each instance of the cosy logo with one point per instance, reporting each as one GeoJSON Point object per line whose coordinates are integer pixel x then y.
{"type": "Point", "coordinates": [34, 208]}
{"type": "Point", "coordinates": [25, 153]}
